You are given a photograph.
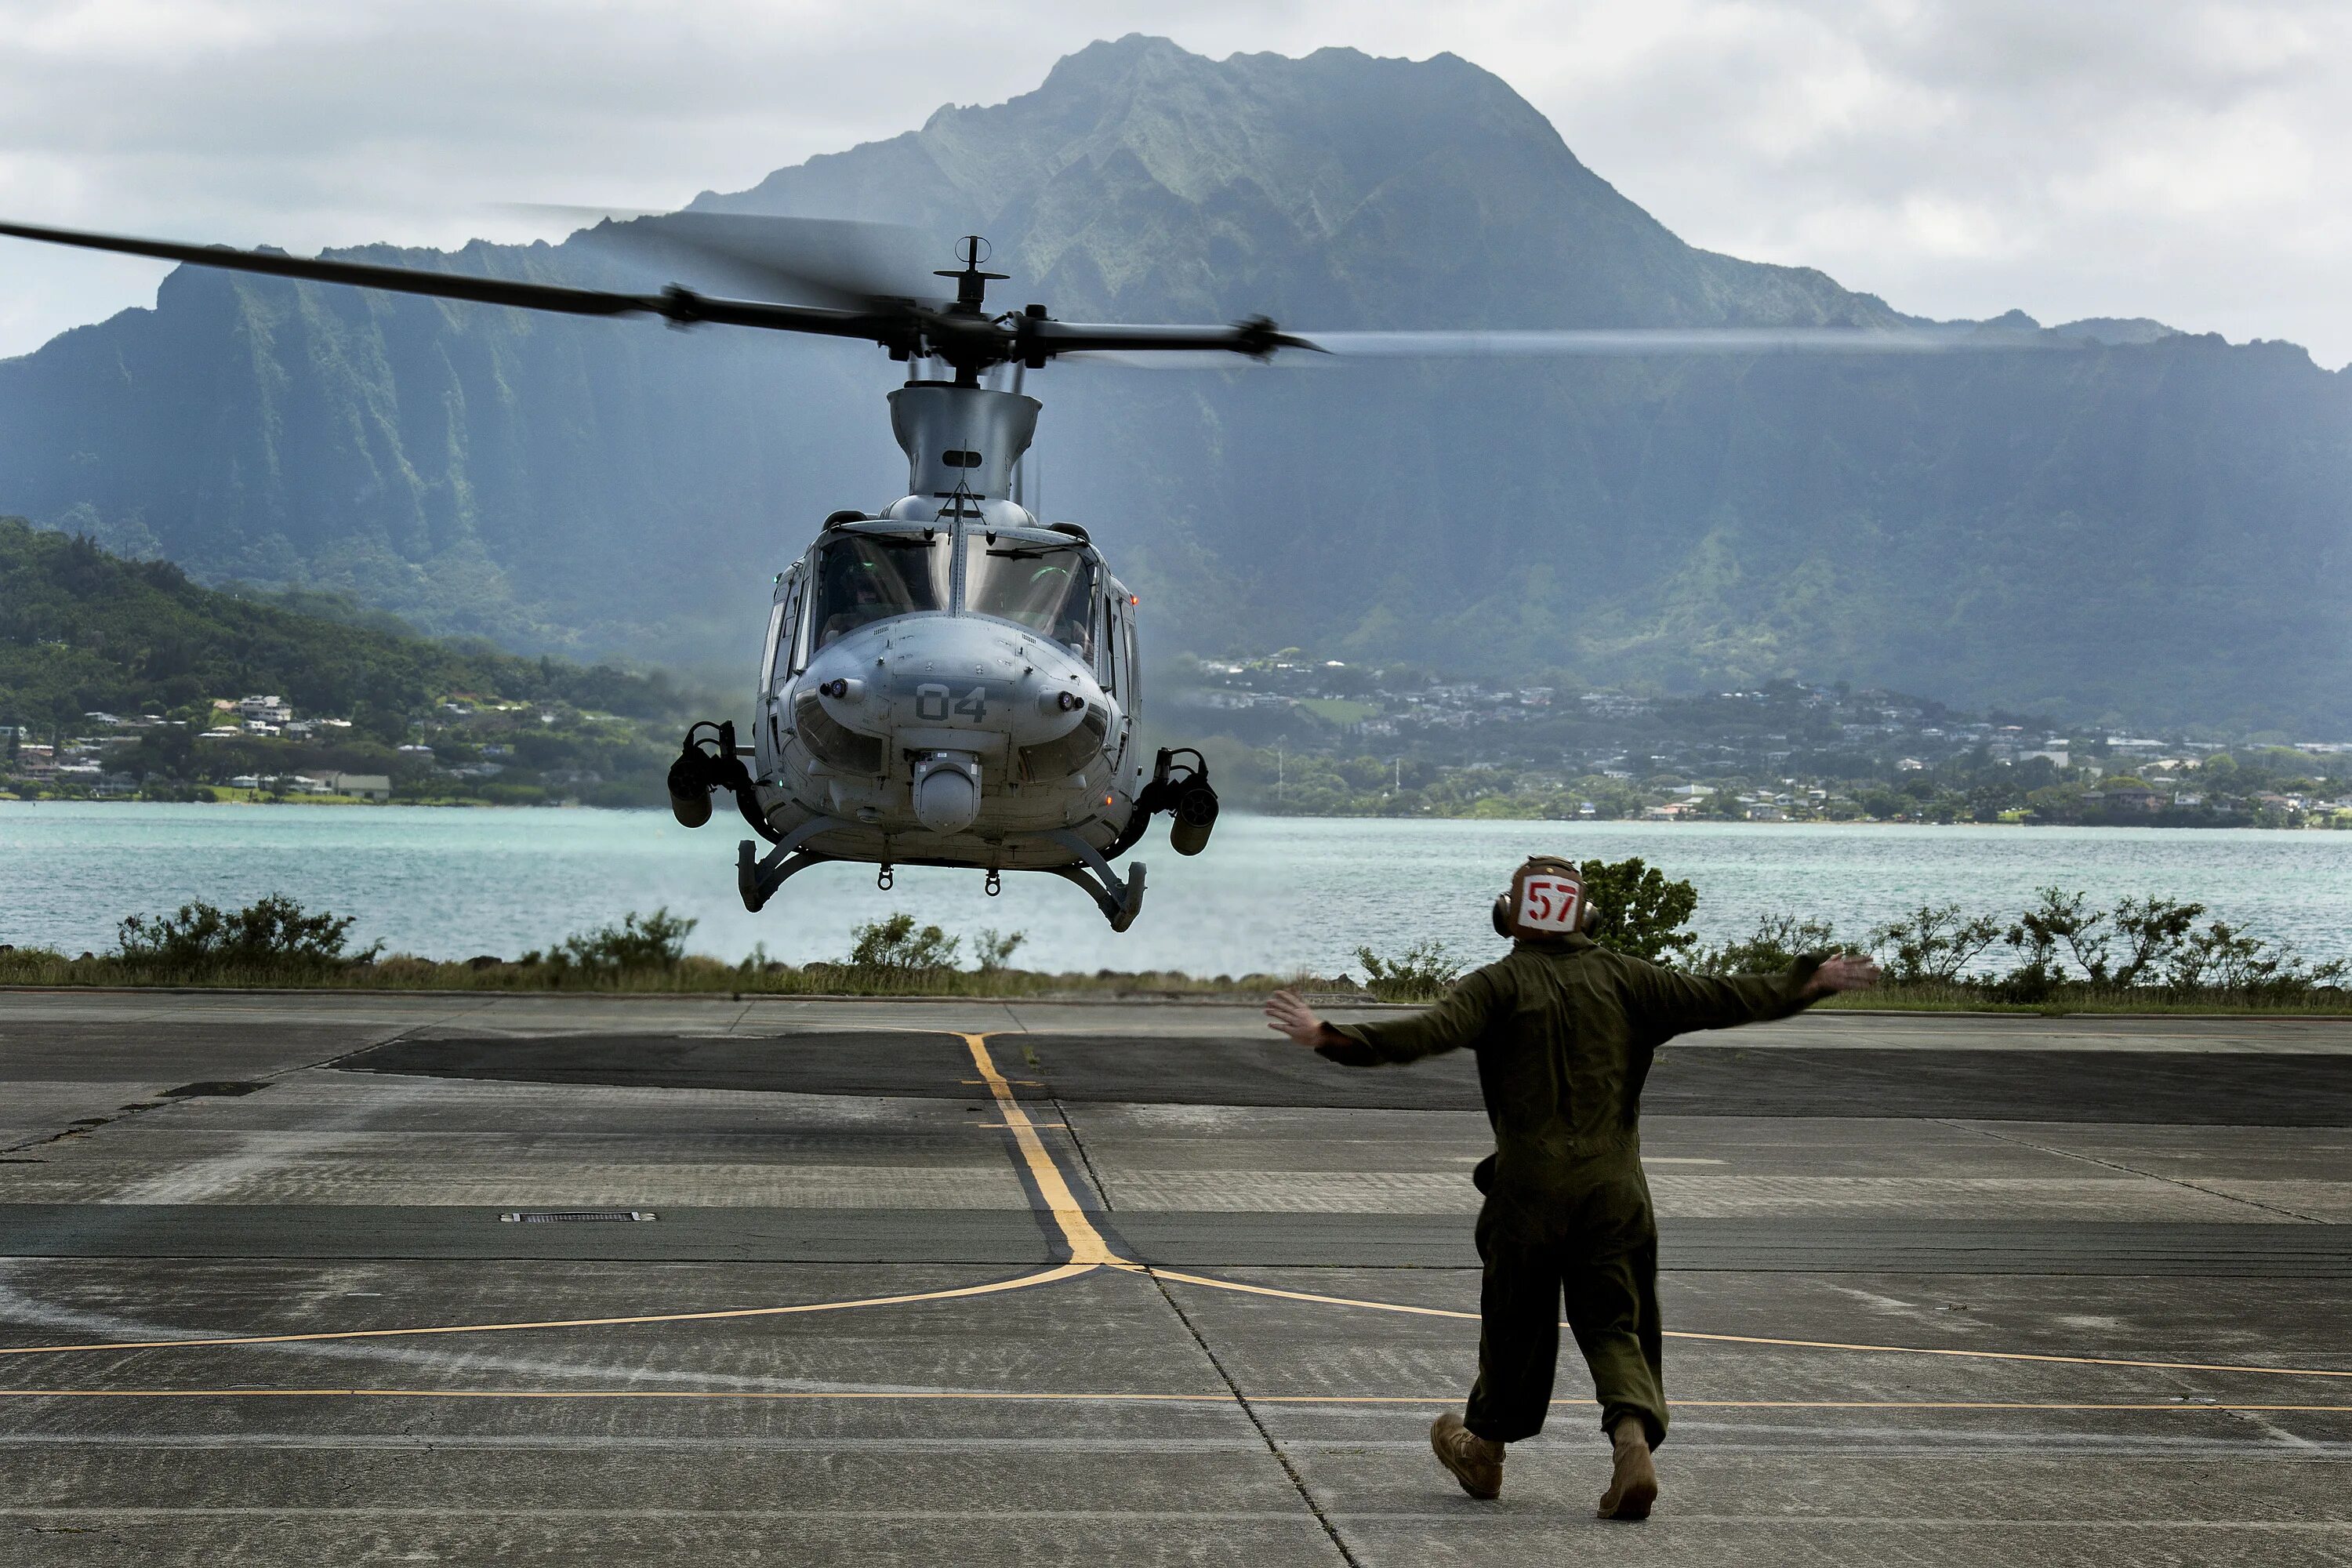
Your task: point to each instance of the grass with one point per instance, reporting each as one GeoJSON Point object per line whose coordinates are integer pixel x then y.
{"type": "Point", "coordinates": [697, 977]}
{"type": "Point", "coordinates": [689, 977]}
{"type": "Point", "coordinates": [2320, 1002]}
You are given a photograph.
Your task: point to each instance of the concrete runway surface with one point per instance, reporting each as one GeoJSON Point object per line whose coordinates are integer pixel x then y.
{"type": "Point", "coordinates": [977, 1282]}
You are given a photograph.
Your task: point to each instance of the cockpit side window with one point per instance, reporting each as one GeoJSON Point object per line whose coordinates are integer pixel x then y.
{"type": "Point", "coordinates": [1051, 589]}
{"type": "Point", "coordinates": [870, 578]}
{"type": "Point", "coordinates": [771, 665]}
{"type": "Point", "coordinates": [1115, 643]}
{"type": "Point", "coordinates": [1134, 685]}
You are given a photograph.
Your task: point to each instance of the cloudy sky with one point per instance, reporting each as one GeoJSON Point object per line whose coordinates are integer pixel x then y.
{"type": "Point", "coordinates": [2180, 159]}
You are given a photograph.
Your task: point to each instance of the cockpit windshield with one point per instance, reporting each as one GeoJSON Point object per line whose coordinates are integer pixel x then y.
{"type": "Point", "coordinates": [867, 577]}
{"type": "Point", "coordinates": [1049, 588]}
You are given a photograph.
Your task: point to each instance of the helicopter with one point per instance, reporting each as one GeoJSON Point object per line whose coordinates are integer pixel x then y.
{"type": "Point", "coordinates": [950, 680]}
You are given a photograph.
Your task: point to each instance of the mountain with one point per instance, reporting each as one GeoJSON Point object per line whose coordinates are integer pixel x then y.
{"type": "Point", "coordinates": [2120, 520]}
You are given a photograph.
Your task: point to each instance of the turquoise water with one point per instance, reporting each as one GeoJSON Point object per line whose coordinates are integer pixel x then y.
{"type": "Point", "coordinates": [1271, 893]}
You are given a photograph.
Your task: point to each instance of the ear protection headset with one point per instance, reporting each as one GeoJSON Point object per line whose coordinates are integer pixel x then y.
{"type": "Point", "coordinates": [1546, 900]}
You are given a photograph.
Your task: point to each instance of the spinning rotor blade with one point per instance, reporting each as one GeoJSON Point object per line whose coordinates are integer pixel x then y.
{"type": "Point", "coordinates": [680, 306]}
{"type": "Point", "coordinates": [1608, 341]}
{"type": "Point", "coordinates": [1345, 347]}
{"type": "Point", "coordinates": [837, 263]}
{"type": "Point", "coordinates": [1257, 338]}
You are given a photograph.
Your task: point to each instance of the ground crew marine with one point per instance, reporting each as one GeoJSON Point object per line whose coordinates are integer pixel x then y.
{"type": "Point", "coordinates": [1565, 1031]}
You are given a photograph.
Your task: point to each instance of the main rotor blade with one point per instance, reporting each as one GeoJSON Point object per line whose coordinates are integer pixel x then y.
{"type": "Point", "coordinates": [680, 306]}
{"type": "Point", "coordinates": [1258, 338]}
{"type": "Point", "coordinates": [364, 275]}
{"type": "Point", "coordinates": [1620, 340]}
{"type": "Point", "coordinates": [839, 263]}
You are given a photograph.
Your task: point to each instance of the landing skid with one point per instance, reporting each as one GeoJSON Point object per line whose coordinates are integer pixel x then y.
{"type": "Point", "coordinates": [1120, 901]}
{"type": "Point", "coordinates": [758, 877]}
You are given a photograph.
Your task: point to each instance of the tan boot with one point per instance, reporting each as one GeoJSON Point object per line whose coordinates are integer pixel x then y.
{"type": "Point", "coordinates": [1634, 1479]}
{"type": "Point", "coordinates": [1477, 1463]}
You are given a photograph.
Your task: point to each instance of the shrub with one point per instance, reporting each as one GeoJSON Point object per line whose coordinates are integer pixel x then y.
{"type": "Point", "coordinates": [656, 941]}
{"type": "Point", "coordinates": [895, 946]}
{"type": "Point", "coordinates": [1422, 971]}
{"type": "Point", "coordinates": [1775, 944]}
{"type": "Point", "coordinates": [993, 950]}
{"type": "Point", "coordinates": [272, 931]}
{"type": "Point", "coordinates": [1934, 944]}
{"type": "Point", "coordinates": [2153, 931]}
{"type": "Point", "coordinates": [2223, 958]}
{"type": "Point", "coordinates": [2060, 920]}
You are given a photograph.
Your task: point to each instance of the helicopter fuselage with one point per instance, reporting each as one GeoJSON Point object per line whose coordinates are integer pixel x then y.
{"type": "Point", "coordinates": [952, 682]}
{"type": "Point", "coordinates": [948, 734]}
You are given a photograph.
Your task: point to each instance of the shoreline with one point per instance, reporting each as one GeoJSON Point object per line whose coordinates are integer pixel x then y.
{"type": "Point", "coordinates": [1665, 824]}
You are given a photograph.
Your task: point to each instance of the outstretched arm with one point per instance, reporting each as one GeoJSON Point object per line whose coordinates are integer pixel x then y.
{"type": "Point", "coordinates": [1455, 1022]}
{"type": "Point", "coordinates": [1672, 1001]}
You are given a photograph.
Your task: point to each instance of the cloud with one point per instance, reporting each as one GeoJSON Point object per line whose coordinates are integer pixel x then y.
{"type": "Point", "coordinates": [2172, 158]}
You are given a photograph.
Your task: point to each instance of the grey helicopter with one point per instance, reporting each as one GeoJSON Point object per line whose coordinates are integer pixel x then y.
{"type": "Point", "coordinates": [951, 681]}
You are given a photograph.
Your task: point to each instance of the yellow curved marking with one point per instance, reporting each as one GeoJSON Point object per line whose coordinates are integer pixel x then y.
{"type": "Point", "coordinates": [1086, 1243]}
{"type": "Point", "coordinates": [1760, 1340]}
{"type": "Point", "coordinates": [1046, 1277]}
{"type": "Point", "coordinates": [1006, 1397]}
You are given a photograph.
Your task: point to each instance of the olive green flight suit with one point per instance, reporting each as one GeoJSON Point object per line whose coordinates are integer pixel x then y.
{"type": "Point", "coordinates": [1565, 1032]}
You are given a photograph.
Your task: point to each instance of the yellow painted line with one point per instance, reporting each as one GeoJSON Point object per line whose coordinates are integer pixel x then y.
{"type": "Point", "coordinates": [1046, 1398]}
{"type": "Point", "coordinates": [1791, 1344]}
{"type": "Point", "coordinates": [1086, 1243]}
{"type": "Point", "coordinates": [1070, 1270]}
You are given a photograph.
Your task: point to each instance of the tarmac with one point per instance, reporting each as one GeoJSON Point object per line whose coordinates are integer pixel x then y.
{"type": "Point", "coordinates": [984, 1282]}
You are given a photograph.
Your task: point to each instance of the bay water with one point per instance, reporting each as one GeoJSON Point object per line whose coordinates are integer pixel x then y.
{"type": "Point", "coordinates": [1272, 894]}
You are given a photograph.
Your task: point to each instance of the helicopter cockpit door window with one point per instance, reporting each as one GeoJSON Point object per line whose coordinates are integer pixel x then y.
{"type": "Point", "coordinates": [1049, 588]}
{"type": "Point", "coordinates": [777, 621]}
{"type": "Point", "coordinates": [870, 578]}
{"type": "Point", "coordinates": [1115, 644]}
{"type": "Point", "coordinates": [1134, 669]}
{"type": "Point", "coordinates": [792, 655]}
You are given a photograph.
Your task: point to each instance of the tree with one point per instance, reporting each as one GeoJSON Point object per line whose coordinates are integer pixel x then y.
{"type": "Point", "coordinates": [1639, 911]}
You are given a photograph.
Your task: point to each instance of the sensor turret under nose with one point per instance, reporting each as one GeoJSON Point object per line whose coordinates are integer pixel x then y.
{"type": "Point", "coordinates": [947, 791]}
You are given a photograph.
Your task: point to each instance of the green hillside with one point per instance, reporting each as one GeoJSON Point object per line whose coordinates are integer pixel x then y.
{"type": "Point", "coordinates": [84, 632]}
{"type": "Point", "coordinates": [2118, 520]}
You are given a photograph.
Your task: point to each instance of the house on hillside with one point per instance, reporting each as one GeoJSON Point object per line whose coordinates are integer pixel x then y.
{"type": "Point", "coordinates": [269, 710]}
{"type": "Point", "coordinates": [2122, 797]}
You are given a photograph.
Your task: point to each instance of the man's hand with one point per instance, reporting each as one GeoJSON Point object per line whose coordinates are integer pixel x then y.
{"type": "Point", "coordinates": [1845, 972]}
{"type": "Point", "coordinates": [1289, 1015]}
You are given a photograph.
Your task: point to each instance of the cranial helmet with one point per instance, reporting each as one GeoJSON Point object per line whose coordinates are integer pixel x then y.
{"type": "Point", "coordinates": [1546, 900]}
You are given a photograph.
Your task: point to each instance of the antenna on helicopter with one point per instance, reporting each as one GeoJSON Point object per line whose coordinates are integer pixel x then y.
{"type": "Point", "coordinates": [971, 283]}
{"type": "Point", "coordinates": [972, 291]}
